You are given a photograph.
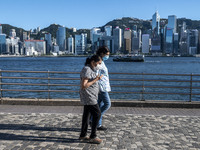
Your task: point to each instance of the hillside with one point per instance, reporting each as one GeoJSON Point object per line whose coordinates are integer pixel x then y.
{"type": "Point", "coordinates": [125, 22]}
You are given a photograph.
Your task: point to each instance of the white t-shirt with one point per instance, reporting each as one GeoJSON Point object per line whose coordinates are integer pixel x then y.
{"type": "Point", "coordinates": [104, 83]}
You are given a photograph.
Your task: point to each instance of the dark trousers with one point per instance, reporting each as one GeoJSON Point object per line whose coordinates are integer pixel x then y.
{"type": "Point", "coordinates": [87, 112]}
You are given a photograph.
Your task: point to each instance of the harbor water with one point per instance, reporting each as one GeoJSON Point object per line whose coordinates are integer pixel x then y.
{"type": "Point", "coordinates": [163, 65]}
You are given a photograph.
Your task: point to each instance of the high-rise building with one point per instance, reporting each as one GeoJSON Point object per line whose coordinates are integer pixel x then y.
{"type": "Point", "coordinates": [108, 33]}
{"type": "Point", "coordinates": [193, 36]}
{"type": "Point", "coordinates": [25, 36]}
{"type": "Point", "coordinates": [95, 34]}
{"type": "Point", "coordinates": [117, 35]}
{"type": "Point", "coordinates": [80, 44]}
{"type": "Point", "coordinates": [108, 30]}
{"type": "Point", "coordinates": [140, 38]}
{"type": "Point", "coordinates": [135, 45]}
{"type": "Point", "coordinates": [172, 23]}
{"type": "Point", "coordinates": [61, 38]}
{"type": "Point", "coordinates": [38, 45]}
{"type": "Point", "coordinates": [171, 29]}
{"type": "Point", "coordinates": [183, 40]}
{"type": "Point", "coordinates": [135, 28]}
{"type": "Point", "coordinates": [2, 43]}
{"type": "Point", "coordinates": [175, 44]}
{"type": "Point", "coordinates": [48, 43]}
{"type": "Point", "coordinates": [156, 23]}
{"type": "Point", "coordinates": [11, 47]}
{"type": "Point", "coordinates": [71, 44]}
{"type": "Point", "coordinates": [94, 31]}
{"type": "Point", "coordinates": [12, 33]}
{"type": "Point", "coordinates": [1, 29]}
{"type": "Point", "coordinates": [145, 43]}
{"type": "Point", "coordinates": [155, 38]}
{"type": "Point", "coordinates": [127, 41]}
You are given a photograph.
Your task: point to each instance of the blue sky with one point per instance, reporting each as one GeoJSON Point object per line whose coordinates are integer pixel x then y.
{"type": "Point", "coordinates": [29, 14]}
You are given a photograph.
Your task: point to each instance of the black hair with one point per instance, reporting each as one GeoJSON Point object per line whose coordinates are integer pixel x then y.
{"type": "Point", "coordinates": [94, 58]}
{"type": "Point", "coordinates": [102, 50]}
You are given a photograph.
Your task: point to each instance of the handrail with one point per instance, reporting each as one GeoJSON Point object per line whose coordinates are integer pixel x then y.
{"type": "Point", "coordinates": [144, 82]}
{"type": "Point", "coordinates": [62, 72]}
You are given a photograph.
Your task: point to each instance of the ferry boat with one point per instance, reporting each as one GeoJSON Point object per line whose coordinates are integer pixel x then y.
{"type": "Point", "coordinates": [129, 58]}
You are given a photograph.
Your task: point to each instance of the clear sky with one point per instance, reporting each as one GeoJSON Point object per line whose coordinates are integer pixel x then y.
{"type": "Point", "coordinates": [29, 14]}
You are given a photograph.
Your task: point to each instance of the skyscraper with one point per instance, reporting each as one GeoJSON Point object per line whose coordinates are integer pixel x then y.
{"type": "Point", "coordinates": [108, 30]}
{"type": "Point", "coordinates": [155, 38]}
{"type": "Point", "coordinates": [2, 43]}
{"type": "Point", "coordinates": [94, 31]}
{"type": "Point", "coordinates": [61, 38]}
{"type": "Point", "coordinates": [127, 41]}
{"type": "Point", "coordinates": [71, 44]}
{"type": "Point", "coordinates": [95, 34]}
{"type": "Point", "coordinates": [193, 36]}
{"type": "Point", "coordinates": [183, 40]}
{"type": "Point", "coordinates": [171, 29]}
{"type": "Point", "coordinates": [108, 33]}
{"type": "Point", "coordinates": [175, 44]}
{"type": "Point", "coordinates": [12, 33]}
{"type": "Point", "coordinates": [80, 44]}
{"type": "Point", "coordinates": [117, 35]}
{"type": "Point", "coordinates": [1, 29]}
{"type": "Point", "coordinates": [48, 43]}
{"type": "Point", "coordinates": [145, 43]}
{"type": "Point", "coordinates": [156, 23]}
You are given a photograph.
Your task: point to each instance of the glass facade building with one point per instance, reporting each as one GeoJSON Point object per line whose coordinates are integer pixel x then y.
{"type": "Point", "coordinates": [80, 44]}
{"type": "Point", "coordinates": [1, 29]}
{"type": "Point", "coordinates": [48, 43]}
{"type": "Point", "coordinates": [170, 30]}
{"type": "Point", "coordinates": [61, 38]}
{"type": "Point", "coordinates": [117, 35]}
{"type": "Point", "coordinates": [2, 43]}
{"type": "Point", "coordinates": [156, 23]}
{"type": "Point", "coordinates": [71, 44]}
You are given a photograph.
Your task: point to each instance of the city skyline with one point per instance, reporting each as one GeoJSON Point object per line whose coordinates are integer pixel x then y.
{"type": "Point", "coordinates": [79, 14]}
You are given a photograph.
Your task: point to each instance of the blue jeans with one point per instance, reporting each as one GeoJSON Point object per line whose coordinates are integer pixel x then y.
{"type": "Point", "coordinates": [104, 104]}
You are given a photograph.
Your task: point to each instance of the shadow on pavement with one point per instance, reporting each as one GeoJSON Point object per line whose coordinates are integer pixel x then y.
{"type": "Point", "coordinates": [10, 137]}
{"type": "Point", "coordinates": [33, 127]}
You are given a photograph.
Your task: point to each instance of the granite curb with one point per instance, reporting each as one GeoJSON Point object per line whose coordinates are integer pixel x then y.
{"type": "Point", "coordinates": [115, 103]}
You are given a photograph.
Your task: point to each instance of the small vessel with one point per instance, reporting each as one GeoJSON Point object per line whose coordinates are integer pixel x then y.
{"type": "Point", "coordinates": [129, 58]}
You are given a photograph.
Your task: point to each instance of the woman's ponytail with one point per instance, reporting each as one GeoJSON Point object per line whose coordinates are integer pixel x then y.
{"type": "Point", "coordinates": [88, 61]}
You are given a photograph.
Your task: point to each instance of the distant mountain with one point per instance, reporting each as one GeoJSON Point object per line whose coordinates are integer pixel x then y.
{"type": "Point", "coordinates": [128, 22]}
{"type": "Point", "coordinates": [125, 22]}
{"type": "Point", "coordinates": [6, 29]}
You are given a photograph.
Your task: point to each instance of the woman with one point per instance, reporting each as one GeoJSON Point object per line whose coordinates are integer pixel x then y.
{"type": "Point", "coordinates": [89, 95]}
{"type": "Point", "coordinates": [104, 99]}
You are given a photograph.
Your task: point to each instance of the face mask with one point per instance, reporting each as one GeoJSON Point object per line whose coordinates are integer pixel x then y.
{"type": "Point", "coordinates": [97, 67]}
{"type": "Point", "coordinates": [106, 57]}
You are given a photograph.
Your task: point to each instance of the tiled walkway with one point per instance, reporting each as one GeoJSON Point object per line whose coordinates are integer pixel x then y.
{"type": "Point", "coordinates": [58, 127]}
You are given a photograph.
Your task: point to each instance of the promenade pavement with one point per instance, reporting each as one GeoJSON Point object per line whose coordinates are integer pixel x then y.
{"type": "Point", "coordinates": [58, 128]}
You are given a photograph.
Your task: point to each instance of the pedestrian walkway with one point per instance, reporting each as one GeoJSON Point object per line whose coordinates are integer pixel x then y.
{"type": "Point", "coordinates": [58, 128]}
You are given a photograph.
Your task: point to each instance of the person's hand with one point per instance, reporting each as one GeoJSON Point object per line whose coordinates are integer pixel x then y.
{"type": "Point", "coordinates": [99, 77]}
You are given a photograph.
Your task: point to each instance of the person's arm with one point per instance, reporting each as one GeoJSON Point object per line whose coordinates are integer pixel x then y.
{"type": "Point", "coordinates": [85, 83]}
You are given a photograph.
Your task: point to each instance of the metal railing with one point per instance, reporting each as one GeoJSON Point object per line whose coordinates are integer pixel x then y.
{"type": "Point", "coordinates": [122, 83]}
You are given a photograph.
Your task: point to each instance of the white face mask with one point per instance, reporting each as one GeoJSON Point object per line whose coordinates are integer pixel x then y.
{"type": "Point", "coordinates": [97, 67]}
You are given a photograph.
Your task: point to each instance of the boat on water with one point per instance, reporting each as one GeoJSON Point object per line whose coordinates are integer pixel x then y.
{"type": "Point", "coordinates": [129, 58]}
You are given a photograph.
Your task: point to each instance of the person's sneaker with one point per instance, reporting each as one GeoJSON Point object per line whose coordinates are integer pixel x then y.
{"type": "Point", "coordinates": [95, 141]}
{"type": "Point", "coordinates": [102, 128]}
{"type": "Point", "coordinates": [84, 138]}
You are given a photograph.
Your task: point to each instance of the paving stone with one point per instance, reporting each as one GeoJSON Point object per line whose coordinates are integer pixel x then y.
{"type": "Point", "coordinates": [125, 131]}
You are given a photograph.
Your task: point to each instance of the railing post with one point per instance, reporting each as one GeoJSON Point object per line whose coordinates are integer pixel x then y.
{"type": "Point", "coordinates": [191, 87]}
{"type": "Point", "coordinates": [48, 85]}
{"type": "Point", "coordinates": [1, 86]}
{"type": "Point", "coordinates": [142, 98]}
